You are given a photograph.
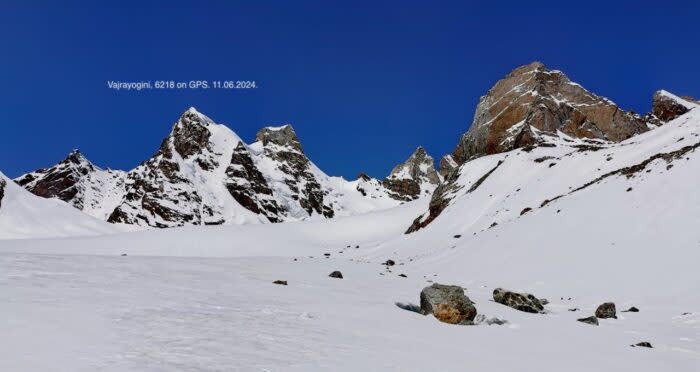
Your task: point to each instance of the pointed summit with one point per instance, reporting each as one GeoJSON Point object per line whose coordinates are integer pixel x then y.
{"type": "Point", "coordinates": [77, 158]}
{"type": "Point", "coordinates": [190, 134]}
{"type": "Point", "coordinates": [414, 177]}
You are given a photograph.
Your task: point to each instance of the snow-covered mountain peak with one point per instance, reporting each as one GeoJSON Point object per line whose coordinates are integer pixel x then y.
{"type": "Point", "coordinates": [413, 178]}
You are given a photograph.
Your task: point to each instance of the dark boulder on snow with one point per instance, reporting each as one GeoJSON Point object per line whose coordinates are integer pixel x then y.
{"type": "Point", "coordinates": [519, 301]}
{"type": "Point", "coordinates": [389, 263]}
{"type": "Point", "coordinates": [336, 274]}
{"type": "Point", "coordinates": [447, 303]}
{"type": "Point", "coordinates": [606, 310]}
{"type": "Point", "coordinates": [590, 320]}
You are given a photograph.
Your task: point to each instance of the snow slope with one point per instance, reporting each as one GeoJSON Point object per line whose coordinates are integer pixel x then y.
{"type": "Point", "coordinates": [24, 215]}
{"type": "Point", "coordinates": [203, 299]}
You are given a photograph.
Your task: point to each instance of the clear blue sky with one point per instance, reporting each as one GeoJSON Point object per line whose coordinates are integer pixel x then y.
{"type": "Point", "coordinates": [363, 83]}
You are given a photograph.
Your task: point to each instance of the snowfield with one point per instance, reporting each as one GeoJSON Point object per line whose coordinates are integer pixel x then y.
{"type": "Point", "coordinates": [202, 298]}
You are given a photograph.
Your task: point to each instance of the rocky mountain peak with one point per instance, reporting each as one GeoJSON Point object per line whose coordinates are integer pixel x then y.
{"type": "Point", "coordinates": [667, 106]}
{"type": "Point", "coordinates": [532, 102]}
{"type": "Point", "coordinates": [77, 158]}
{"type": "Point", "coordinates": [413, 177]}
{"type": "Point", "coordinates": [526, 69]}
{"type": "Point", "coordinates": [363, 176]}
{"type": "Point", "coordinates": [190, 133]}
{"type": "Point", "coordinates": [281, 136]}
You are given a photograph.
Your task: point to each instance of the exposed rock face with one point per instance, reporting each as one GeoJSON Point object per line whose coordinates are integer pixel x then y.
{"type": "Point", "coordinates": [667, 106]}
{"type": "Point", "coordinates": [2, 190]}
{"type": "Point", "coordinates": [413, 178]}
{"type": "Point", "coordinates": [527, 108]}
{"type": "Point", "coordinates": [606, 310]}
{"type": "Point", "coordinates": [281, 136]}
{"type": "Point", "coordinates": [248, 186]}
{"type": "Point", "coordinates": [167, 190]}
{"type": "Point", "coordinates": [447, 303]}
{"type": "Point", "coordinates": [447, 165]}
{"type": "Point", "coordinates": [519, 301]}
{"type": "Point", "coordinates": [296, 178]}
{"type": "Point", "coordinates": [204, 174]}
{"type": "Point", "coordinates": [78, 182]}
{"type": "Point", "coordinates": [533, 101]}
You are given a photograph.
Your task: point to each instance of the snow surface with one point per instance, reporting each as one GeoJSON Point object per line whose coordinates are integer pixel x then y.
{"type": "Point", "coordinates": [202, 298]}
{"type": "Point", "coordinates": [25, 215]}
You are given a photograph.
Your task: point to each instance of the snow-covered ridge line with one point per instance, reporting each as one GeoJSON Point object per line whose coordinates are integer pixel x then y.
{"type": "Point", "coordinates": [204, 174]}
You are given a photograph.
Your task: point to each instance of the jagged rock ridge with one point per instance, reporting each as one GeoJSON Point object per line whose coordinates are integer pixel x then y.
{"type": "Point", "coordinates": [293, 177]}
{"type": "Point", "coordinates": [78, 182]}
{"type": "Point", "coordinates": [204, 174]}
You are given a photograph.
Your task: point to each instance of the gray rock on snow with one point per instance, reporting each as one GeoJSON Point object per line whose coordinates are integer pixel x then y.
{"type": "Point", "coordinates": [447, 303]}
{"type": "Point", "coordinates": [590, 320]}
{"type": "Point", "coordinates": [606, 310]}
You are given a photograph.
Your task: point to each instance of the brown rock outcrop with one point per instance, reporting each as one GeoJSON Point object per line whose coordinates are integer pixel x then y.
{"type": "Point", "coordinates": [533, 96]}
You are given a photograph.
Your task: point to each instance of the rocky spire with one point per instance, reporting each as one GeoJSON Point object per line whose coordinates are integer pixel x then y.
{"type": "Point", "coordinates": [190, 133]}
{"type": "Point", "coordinates": [534, 99]}
{"type": "Point", "coordinates": [413, 177]}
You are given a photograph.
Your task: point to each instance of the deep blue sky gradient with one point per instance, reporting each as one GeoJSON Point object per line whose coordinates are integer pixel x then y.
{"type": "Point", "coordinates": [363, 83]}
